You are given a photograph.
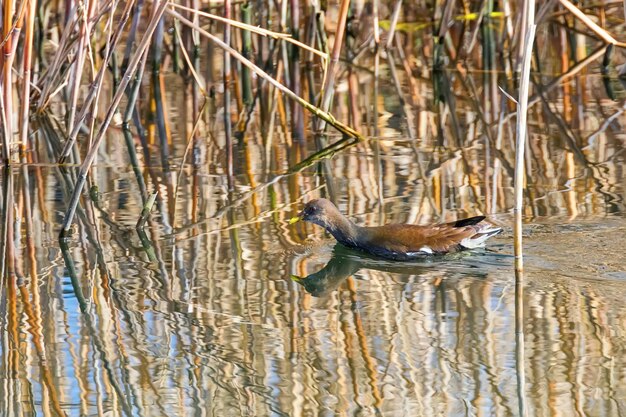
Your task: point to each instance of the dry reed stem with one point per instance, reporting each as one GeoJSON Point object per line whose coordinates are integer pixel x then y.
{"type": "Point", "coordinates": [8, 55]}
{"type": "Point", "coordinates": [606, 36]}
{"type": "Point", "coordinates": [518, 184]}
{"type": "Point", "coordinates": [26, 82]}
{"type": "Point", "coordinates": [347, 130]}
{"type": "Point", "coordinates": [226, 72]}
{"type": "Point", "coordinates": [394, 21]}
{"type": "Point", "coordinates": [520, 143]}
{"type": "Point", "coordinates": [272, 117]}
{"type": "Point", "coordinates": [193, 71]}
{"type": "Point", "coordinates": [5, 132]}
{"type": "Point", "coordinates": [19, 15]}
{"type": "Point", "coordinates": [375, 22]}
{"type": "Point", "coordinates": [331, 69]}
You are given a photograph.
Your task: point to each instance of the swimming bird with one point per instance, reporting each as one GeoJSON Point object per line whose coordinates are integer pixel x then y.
{"type": "Point", "coordinates": [399, 242]}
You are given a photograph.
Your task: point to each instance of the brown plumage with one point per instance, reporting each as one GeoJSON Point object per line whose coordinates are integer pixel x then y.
{"type": "Point", "coordinates": [399, 241]}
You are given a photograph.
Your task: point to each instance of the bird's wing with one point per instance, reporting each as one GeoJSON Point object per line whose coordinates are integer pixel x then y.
{"type": "Point", "coordinates": [412, 238]}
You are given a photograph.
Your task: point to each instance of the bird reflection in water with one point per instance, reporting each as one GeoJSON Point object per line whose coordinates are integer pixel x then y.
{"type": "Point", "coordinates": [346, 262]}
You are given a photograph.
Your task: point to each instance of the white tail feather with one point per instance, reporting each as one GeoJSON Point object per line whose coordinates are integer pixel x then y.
{"type": "Point", "coordinates": [479, 239]}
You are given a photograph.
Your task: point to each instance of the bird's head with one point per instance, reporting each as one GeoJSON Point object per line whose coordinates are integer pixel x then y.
{"type": "Point", "coordinates": [319, 211]}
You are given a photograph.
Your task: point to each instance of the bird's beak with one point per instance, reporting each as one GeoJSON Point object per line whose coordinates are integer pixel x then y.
{"type": "Point", "coordinates": [296, 219]}
{"type": "Point", "coordinates": [296, 278]}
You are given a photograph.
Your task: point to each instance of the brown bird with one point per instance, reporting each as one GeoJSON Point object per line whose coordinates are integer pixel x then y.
{"type": "Point", "coordinates": [398, 241]}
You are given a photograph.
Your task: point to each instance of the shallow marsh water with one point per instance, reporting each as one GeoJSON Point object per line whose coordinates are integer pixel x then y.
{"type": "Point", "coordinates": [221, 308]}
{"type": "Point", "coordinates": [227, 323]}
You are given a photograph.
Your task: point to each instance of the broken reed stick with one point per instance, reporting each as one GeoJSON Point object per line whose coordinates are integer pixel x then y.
{"type": "Point", "coordinates": [145, 212]}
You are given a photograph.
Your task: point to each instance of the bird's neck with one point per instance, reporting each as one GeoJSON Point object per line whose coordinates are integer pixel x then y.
{"type": "Point", "coordinates": [342, 229]}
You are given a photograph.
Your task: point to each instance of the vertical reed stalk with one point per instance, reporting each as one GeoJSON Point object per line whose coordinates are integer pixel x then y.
{"type": "Point", "coordinates": [77, 68]}
{"type": "Point", "coordinates": [522, 34]}
{"type": "Point", "coordinates": [394, 21]}
{"type": "Point", "coordinates": [442, 30]}
{"type": "Point", "coordinates": [375, 28]}
{"type": "Point", "coordinates": [269, 133]}
{"type": "Point", "coordinates": [9, 34]}
{"type": "Point", "coordinates": [284, 11]}
{"type": "Point", "coordinates": [227, 120]}
{"type": "Point", "coordinates": [297, 115]}
{"type": "Point", "coordinates": [497, 164]}
{"type": "Point", "coordinates": [331, 69]}
{"type": "Point", "coordinates": [261, 53]}
{"type": "Point", "coordinates": [353, 90]}
{"type": "Point", "coordinates": [308, 62]}
{"type": "Point", "coordinates": [159, 99]}
{"type": "Point", "coordinates": [27, 64]}
{"type": "Point", "coordinates": [132, 33]}
{"type": "Point", "coordinates": [246, 51]}
{"type": "Point", "coordinates": [5, 131]}
{"type": "Point", "coordinates": [520, 143]}
{"type": "Point", "coordinates": [134, 162]}
{"type": "Point", "coordinates": [195, 66]}
{"type": "Point", "coordinates": [134, 90]}
{"type": "Point", "coordinates": [376, 143]}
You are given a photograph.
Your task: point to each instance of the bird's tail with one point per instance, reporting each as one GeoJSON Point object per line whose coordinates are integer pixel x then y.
{"type": "Point", "coordinates": [483, 232]}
